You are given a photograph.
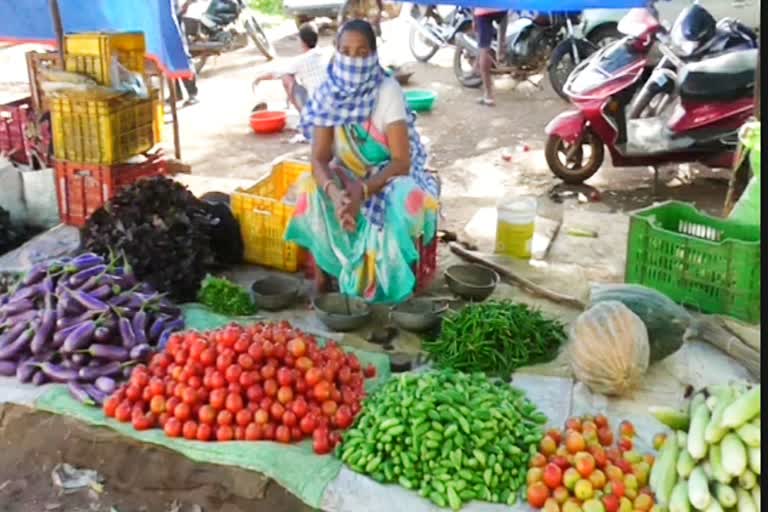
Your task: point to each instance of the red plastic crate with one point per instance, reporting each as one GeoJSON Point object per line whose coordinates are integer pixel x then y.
{"type": "Point", "coordinates": [84, 188]}
{"type": "Point", "coordinates": [23, 138]}
{"type": "Point", "coordinates": [425, 269]}
{"type": "Point", "coordinates": [13, 118]}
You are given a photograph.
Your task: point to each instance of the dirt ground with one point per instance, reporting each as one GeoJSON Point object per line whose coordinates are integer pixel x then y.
{"type": "Point", "coordinates": [466, 140]}
{"type": "Point", "coordinates": [137, 477]}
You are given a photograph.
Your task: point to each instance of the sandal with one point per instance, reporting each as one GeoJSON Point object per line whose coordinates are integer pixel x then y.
{"type": "Point", "coordinates": [486, 101]}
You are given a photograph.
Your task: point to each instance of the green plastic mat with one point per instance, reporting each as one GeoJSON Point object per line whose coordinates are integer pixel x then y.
{"type": "Point", "coordinates": [296, 467]}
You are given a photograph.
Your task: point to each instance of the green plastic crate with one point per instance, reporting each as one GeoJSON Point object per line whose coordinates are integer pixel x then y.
{"type": "Point", "coordinates": [708, 264]}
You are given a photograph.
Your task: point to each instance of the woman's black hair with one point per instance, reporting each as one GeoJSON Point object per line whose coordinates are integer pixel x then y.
{"type": "Point", "coordinates": [308, 34]}
{"type": "Point", "coordinates": [363, 28]}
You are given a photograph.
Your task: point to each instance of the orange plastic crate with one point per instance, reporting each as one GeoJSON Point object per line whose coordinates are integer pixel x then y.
{"type": "Point", "coordinates": [82, 189]}
{"type": "Point", "coordinates": [264, 217]}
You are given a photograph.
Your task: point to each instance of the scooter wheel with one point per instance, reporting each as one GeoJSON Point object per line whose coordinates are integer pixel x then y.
{"type": "Point", "coordinates": [574, 164]}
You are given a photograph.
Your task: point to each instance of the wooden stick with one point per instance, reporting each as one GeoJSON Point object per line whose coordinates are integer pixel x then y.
{"type": "Point", "coordinates": [710, 330]}
{"type": "Point", "coordinates": [174, 98]}
{"type": "Point", "coordinates": [458, 250]}
{"type": "Point", "coordinates": [58, 28]}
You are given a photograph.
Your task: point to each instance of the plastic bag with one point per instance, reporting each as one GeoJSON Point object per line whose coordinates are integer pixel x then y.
{"type": "Point", "coordinates": [747, 208]}
{"type": "Point", "coordinates": [127, 81]}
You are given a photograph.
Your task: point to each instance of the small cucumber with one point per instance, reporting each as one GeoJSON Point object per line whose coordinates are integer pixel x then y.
{"type": "Point", "coordinates": [664, 473]}
{"type": "Point", "coordinates": [714, 506]}
{"type": "Point", "coordinates": [753, 454]}
{"type": "Point", "coordinates": [725, 495]}
{"type": "Point", "coordinates": [750, 434]}
{"type": "Point", "coordinates": [685, 464]}
{"type": "Point", "coordinates": [678, 502]}
{"type": "Point", "coordinates": [697, 447]}
{"type": "Point", "coordinates": [714, 431]}
{"type": "Point", "coordinates": [747, 480]}
{"type": "Point", "coordinates": [716, 461]}
{"type": "Point", "coordinates": [698, 491]}
{"type": "Point", "coordinates": [746, 503]}
{"type": "Point", "coordinates": [734, 454]}
{"type": "Point", "coordinates": [671, 417]}
{"type": "Point", "coordinates": [746, 407]}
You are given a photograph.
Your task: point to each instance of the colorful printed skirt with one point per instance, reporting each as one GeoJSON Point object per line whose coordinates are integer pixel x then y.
{"type": "Point", "coordinates": [375, 262]}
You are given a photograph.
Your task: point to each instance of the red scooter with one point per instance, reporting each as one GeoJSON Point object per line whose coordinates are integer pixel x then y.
{"type": "Point", "coordinates": [714, 97]}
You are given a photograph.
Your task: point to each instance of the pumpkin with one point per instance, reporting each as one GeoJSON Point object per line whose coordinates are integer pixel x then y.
{"type": "Point", "coordinates": [665, 320]}
{"type": "Point", "coordinates": [609, 349]}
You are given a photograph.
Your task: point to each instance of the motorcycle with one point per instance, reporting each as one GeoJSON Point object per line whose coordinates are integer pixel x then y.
{"type": "Point", "coordinates": [431, 30]}
{"type": "Point", "coordinates": [694, 36]}
{"type": "Point", "coordinates": [213, 27]}
{"type": "Point", "coordinates": [361, 9]}
{"type": "Point", "coordinates": [714, 98]}
{"type": "Point", "coordinates": [533, 44]}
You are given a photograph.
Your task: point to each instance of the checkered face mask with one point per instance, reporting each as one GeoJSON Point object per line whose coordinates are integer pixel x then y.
{"type": "Point", "coordinates": [354, 73]}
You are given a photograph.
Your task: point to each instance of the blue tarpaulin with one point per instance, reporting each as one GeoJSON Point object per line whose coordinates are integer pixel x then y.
{"type": "Point", "coordinates": [542, 5]}
{"type": "Point", "coordinates": [30, 21]}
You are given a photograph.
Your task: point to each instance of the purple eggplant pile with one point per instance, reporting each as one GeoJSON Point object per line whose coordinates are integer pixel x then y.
{"type": "Point", "coordinates": [83, 321]}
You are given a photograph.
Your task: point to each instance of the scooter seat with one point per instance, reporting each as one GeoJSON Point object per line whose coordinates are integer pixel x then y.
{"type": "Point", "coordinates": [728, 77]}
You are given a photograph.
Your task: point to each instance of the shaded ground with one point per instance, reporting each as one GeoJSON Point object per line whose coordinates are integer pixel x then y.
{"type": "Point", "coordinates": [137, 477]}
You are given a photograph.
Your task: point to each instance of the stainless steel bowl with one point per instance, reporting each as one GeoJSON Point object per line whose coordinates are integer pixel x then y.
{"type": "Point", "coordinates": [418, 314]}
{"type": "Point", "coordinates": [275, 292]}
{"type": "Point", "coordinates": [471, 282]}
{"type": "Point", "coordinates": [340, 312]}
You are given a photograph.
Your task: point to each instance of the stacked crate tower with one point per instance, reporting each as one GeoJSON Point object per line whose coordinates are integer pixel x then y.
{"type": "Point", "coordinates": [96, 135]}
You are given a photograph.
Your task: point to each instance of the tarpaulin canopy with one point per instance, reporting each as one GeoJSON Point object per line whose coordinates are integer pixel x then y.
{"type": "Point", "coordinates": [30, 21]}
{"type": "Point", "coordinates": [541, 5]}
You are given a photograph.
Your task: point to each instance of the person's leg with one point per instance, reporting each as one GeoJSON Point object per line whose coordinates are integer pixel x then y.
{"type": "Point", "coordinates": [485, 60]}
{"type": "Point", "coordinates": [190, 84]}
{"type": "Point", "coordinates": [294, 92]}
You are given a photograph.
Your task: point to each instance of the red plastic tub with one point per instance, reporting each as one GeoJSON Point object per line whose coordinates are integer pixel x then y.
{"type": "Point", "coordinates": [268, 122]}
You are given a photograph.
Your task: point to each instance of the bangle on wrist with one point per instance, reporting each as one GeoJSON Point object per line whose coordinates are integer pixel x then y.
{"type": "Point", "coordinates": [365, 191]}
{"type": "Point", "coordinates": [327, 186]}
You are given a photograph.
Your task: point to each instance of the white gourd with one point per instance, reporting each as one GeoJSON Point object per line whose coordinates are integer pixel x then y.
{"type": "Point", "coordinates": [609, 349]}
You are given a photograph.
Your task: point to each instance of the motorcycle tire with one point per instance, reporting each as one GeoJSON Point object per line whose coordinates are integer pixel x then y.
{"type": "Point", "coordinates": [562, 53]}
{"type": "Point", "coordinates": [469, 80]}
{"type": "Point", "coordinates": [576, 175]}
{"type": "Point", "coordinates": [260, 39]}
{"type": "Point", "coordinates": [413, 41]}
{"type": "Point", "coordinates": [604, 35]}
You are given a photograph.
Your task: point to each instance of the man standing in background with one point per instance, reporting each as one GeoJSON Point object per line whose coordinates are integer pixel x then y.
{"type": "Point", "coordinates": [190, 84]}
{"type": "Point", "coordinates": [484, 19]}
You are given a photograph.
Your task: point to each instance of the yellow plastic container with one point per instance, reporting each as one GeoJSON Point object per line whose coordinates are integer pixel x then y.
{"type": "Point", "coordinates": [159, 120]}
{"type": "Point", "coordinates": [514, 226]}
{"type": "Point", "coordinates": [91, 53]}
{"type": "Point", "coordinates": [102, 130]}
{"type": "Point", "coordinates": [264, 212]}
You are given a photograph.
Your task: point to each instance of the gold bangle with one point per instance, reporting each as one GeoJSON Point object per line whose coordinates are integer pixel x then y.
{"type": "Point", "coordinates": [365, 191]}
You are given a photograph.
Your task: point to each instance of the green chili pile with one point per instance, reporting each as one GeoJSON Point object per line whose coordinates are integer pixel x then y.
{"type": "Point", "coordinates": [225, 297]}
{"type": "Point", "coordinates": [451, 436]}
{"type": "Point", "coordinates": [496, 337]}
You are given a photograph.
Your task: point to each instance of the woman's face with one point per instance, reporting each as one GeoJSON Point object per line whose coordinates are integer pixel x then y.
{"type": "Point", "coordinates": [354, 44]}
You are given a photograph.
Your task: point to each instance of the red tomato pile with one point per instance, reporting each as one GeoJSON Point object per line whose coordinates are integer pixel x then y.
{"type": "Point", "coordinates": [260, 382]}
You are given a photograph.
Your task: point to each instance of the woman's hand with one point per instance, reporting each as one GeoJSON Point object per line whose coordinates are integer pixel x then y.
{"type": "Point", "coordinates": [354, 202]}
